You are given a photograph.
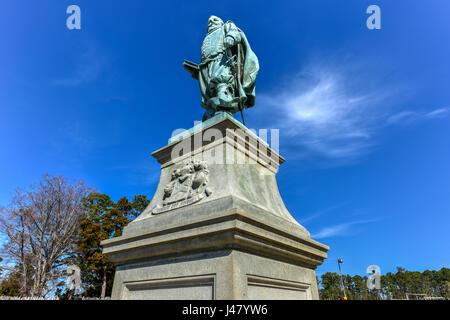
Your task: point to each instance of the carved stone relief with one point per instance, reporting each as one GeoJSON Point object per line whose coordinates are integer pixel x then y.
{"type": "Point", "coordinates": [188, 184]}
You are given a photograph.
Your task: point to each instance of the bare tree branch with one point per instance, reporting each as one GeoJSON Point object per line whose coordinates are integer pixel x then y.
{"type": "Point", "coordinates": [40, 226]}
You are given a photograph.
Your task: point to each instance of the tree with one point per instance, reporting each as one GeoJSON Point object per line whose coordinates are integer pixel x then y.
{"type": "Point", "coordinates": [139, 203]}
{"type": "Point", "coordinates": [358, 288]}
{"type": "Point", "coordinates": [40, 226]}
{"type": "Point", "coordinates": [393, 285]}
{"type": "Point", "coordinates": [11, 285]}
{"type": "Point", "coordinates": [104, 219]}
{"type": "Point", "coordinates": [331, 286]}
{"type": "Point", "coordinates": [355, 287]}
{"type": "Point", "coordinates": [93, 264]}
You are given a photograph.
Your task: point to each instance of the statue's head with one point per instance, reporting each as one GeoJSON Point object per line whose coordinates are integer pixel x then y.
{"type": "Point", "coordinates": [214, 23]}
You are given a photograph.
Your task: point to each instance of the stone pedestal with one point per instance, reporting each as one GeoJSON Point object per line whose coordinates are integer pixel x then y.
{"type": "Point", "coordinates": [217, 227]}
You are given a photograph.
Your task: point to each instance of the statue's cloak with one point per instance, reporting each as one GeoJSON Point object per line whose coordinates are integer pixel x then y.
{"type": "Point", "coordinates": [249, 67]}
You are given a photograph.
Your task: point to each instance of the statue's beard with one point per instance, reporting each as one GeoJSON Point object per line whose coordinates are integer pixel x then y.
{"type": "Point", "coordinates": [213, 27]}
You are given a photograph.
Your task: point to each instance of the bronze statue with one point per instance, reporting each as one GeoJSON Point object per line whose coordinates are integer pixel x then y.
{"type": "Point", "coordinates": [227, 70]}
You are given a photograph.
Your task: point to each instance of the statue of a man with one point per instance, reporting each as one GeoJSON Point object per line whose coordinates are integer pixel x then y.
{"type": "Point", "coordinates": [227, 70]}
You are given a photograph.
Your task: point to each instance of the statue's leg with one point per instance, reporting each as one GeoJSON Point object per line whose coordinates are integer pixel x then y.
{"type": "Point", "coordinates": [202, 80]}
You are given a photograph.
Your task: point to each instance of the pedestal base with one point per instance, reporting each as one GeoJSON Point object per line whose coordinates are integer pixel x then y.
{"type": "Point", "coordinates": [223, 275]}
{"type": "Point", "coordinates": [217, 227]}
{"type": "Point", "coordinates": [195, 253]}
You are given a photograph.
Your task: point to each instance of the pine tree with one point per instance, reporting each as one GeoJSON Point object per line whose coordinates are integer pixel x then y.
{"type": "Point", "coordinates": [104, 220]}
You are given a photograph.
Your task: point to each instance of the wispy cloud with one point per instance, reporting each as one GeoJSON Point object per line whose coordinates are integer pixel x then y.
{"type": "Point", "coordinates": [342, 229]}
{"type": "Point", "coordinates": [318, 214]}
{"type": "Point", "coordinates": [442, 112]}
{"type": "Point", "coordinates": [407, 117]}
{"type": "Point", "coordinates": [335, 113]}
{"type": "Point", "coordinates": [402, 117]}
{"type": "Point", "coordinates": [325, 112]}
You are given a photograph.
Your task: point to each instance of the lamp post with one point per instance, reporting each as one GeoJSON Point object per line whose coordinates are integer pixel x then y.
{"type": "Point", "coordinates": [339, 260]}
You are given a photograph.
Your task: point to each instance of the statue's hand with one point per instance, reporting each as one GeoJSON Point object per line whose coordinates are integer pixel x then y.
{"type": "Point", "coordinates": [228, 42]}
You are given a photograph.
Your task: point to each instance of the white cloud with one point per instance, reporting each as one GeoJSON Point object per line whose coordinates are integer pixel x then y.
{"type": "Point", "coordinates": [442, 112]}
{"type": "Point", "coordinates": [407, 117]}
{"type": "Point", "coordinates": [333, 115]}
{"type": "Point", "coordinates": [326, 113]}
{"type": "Point", "coordinates": [403, 116]}
{"type": "Point", "coordinates": [319, 213]}
{"type": "Point", "coordinates": [339, 229]}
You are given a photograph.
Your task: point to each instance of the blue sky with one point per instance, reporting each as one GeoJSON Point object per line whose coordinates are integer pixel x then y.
{"type": "Point", "coordinates": [363, 114]}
